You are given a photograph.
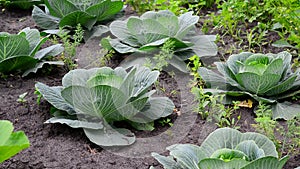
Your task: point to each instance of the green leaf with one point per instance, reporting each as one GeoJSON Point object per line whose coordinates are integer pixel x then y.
{"type": "Point", "coordinates": [110, 136]}
{"type": "Point", "coordinates": [40, 65]}
{"type": "Point", "coordinates": [13, 45]}
{"type": "Point", "coordinates": [60, 8]}
{"type": "Point", "coordinates": [16, 63]}
{"type": "Point", "coordinates": [266, 163]}
{"type": "Point", "coordinates": [282, 44]}
{"type": "Point", "coordinates": [78, 77]}
{"type": "Point", "coordinates": [78, 17]}
{"type": "Point", "coordinates": [258, 84]}
{"type": "Point", "coordinates": [11, 142]}
{"type": "Point", "coordinates": [167, 162]}
{"type": "Point", "coordinates": [105, 9]}
{"type": "Point", "coordinates": [44, 20]}
{"type": "Point", "coordinates": [281, 87]}
{"type": "Point", "coordinates": [32, 36]}
{"type": "Point", "coordinates": [99, 101]}
{"type": "Point", "coordinates": [76, 123]}
{"type": "Point", "coordinates": [285, 110]}
{"type": "Point", "coordinates": [250, 148]}
{"type": "Point", "coordinates": [53, 96]}
{"type": "Point", "coordinates": [53, 50]}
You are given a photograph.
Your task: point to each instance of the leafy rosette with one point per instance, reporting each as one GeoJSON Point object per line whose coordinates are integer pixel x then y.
{"type": "Point", "coordinates": [264, 77]}
{"type": "Point", "coordinates": [225, 148]}
{"type": "Point", "coordinates": [61, 13]}
{"type": "Point", "coordinates": [147, 33]}
{"type": "Point", "coordinates": [21, 52]}
{"type": "Point", "coordinates": [97, 98]}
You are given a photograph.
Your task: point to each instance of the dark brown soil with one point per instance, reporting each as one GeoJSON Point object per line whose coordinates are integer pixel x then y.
{"type": "Point", "coordinates": [61, 147]}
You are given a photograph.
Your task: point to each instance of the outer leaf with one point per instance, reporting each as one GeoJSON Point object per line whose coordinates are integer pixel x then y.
{"type": "Point", "coordinates": [99, 101]}
{"type": "Point", "coordinates": [212, 79]}
{"type": "Point", "coordinates": [281, 87]}
{"type": "Point", "coordinates": [78, 17]}
{"type": "Point", "coordinates": [186, 22]}
{"type": "Point", "coordinates": [40, 65]}
{"type": "Point", "coordinates": [285, 110]}
{"type": "Point", "coordinates": [44, 20]}
{"type": "Point", "coordinates": [110, 136]}
{"type": "Point", "coordinates": [250, 148]}
{"type": "Point", "coordinates": [13, 45]}
{"type": "Point", "coordinates": [266, 163]}
{"type": "Point", "coordinates": [78, 77]}
{"type": "Point", "coordinates": [76, 123]}
{"type": "Point", "coordinates": [60, 8]}
{"type": "Point", "coordinates": [49, 51]}
{"type": "Point", "coordinates": [167, 162]}
{"type": "Point", "coordinates": [105, 9]}
{"type": "Point", "coordinates": [32, 36]}
{"type": "Point", "coordinates": [187, 155]}
{"type": "Point", "coordinates": [17, 63]}
{"type": "Point", "coordinates": [53, 96]}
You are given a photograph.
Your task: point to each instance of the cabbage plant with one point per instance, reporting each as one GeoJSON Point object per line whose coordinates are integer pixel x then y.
{"type": "Point", "coordinates": [264, 77]}
{"type": "Point", "coordinates": [21, 52]}
{"type": "Point", "coordinates": [147, 33]}
{"type": "Point", "coordinates": [61, 13]}
{"type": "Point", "coordinates": [97, 98]}
{"type": "Point", "coordinates": [11, 142]}
{"type": "Point", "coordinates": [225, 148]}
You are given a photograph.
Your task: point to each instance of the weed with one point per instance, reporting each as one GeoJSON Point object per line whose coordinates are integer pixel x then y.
{"type": "Point", "coordinates": [70, 44]}
{"type": "Point", "coordinates": [39, 96]}
{"type": "Point", "coordinates": [21, 98]}
{"type": "Point", "coordinates": [165, 121]}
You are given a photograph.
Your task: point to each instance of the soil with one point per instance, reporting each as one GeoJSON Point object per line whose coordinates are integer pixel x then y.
{"type": "Point", "coordinates": [59, 146]}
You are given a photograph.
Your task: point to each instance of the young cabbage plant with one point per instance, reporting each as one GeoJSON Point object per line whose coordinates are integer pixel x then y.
{"type": "Point", "coordinates": [97, 98]}
{"type": "Point", "coordinates": [20, 52]}
{"type": "Point", "coordinates": [11, 142]}
{"type": "Point", "coordinates": [264, 77]}
{"type": "Point", "coordinates": [225, 148]}
{"type": "Point", "coordinates": [146, 34]}
{"type": "Point", "coordinates": [61, 13]}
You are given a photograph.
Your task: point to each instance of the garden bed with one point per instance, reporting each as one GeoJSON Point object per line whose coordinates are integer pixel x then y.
{"type": "Point", "coordinates": [59, 146]}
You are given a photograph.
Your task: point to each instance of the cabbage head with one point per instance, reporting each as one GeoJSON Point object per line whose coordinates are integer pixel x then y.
{"type": "Point", "coordinates": [145, 35]}
{"type": "Point", "coordinates": [61, 13]}
{"type": "Point", "coordinates": [225, 148]}
{"type": "Point", "coordinates": [264, 77]}
{"type": "Point", "coordinates": [96, 99]}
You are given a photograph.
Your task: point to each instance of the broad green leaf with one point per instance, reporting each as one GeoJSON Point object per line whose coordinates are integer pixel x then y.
{"type": "Point", "coordinates": [266, 163]}
{"type": "Point", "coordinates": [121, 47]}
{"type": "Point", "coordinates": [212, 79]}
{"type": "Point", "coordinates": [17, 63]}
{"type": "Point", "coordinates": [186, 22]}
{"type": "Point", "coordinates": [171, 24]}
{"type": "Point", "coordinates": [32, 36]}
{"type": "Point", "coordinates": [257, 84]}
{"type": "Point", "coordinates": [110, 137]}
{"type": "Point", "coordinates": [187, 155]}
{"type": "Point", "coordinates": [155, 15]}
{"type": "Point", "coordinates": [144, 78]}
{"type": "Point", "coordinates": [44, 20]}
{"type": "Point", "coordinates": [76, 123]}
{"type": "Point", "coordinates": [155, 108]}
{"type": "Point", "coordinates": [53, 50]}
{"type": "Point", "coordinates": [13, 45]}
{"type": "Point", "coordinates": [78, 77]}
{"type": "Point", "coordinates": [6, 129]}
{"type": "Point", "coordinates": [99, 101]}
{"type": "Point", "coordinates": [53, 96]}
{"type": "Point", "coordinates": [11, 142]}
{"type": "Point", "coordinates": [167, 162]}
{"type": "Point", "coordinates": [282, 44]}
{"type": "Point", "coordinates": [285, 110]}
{"type": "Point", "coordinates": [204, 45]}
{"type": "Point", "coordinates": [105, 9]}
{"type": "Point", "coordinates": [233, 60]}
{"type": "Point", "coordinates": [78, 17]}
{"type": "Point", "coordinates": [60, 8]}
{"type": "Point", "coordinates": [147, 26]}
{"type": "Point", "coordinates": [39, 65]}
{"type": "Point", "coordinates": [281, 87]}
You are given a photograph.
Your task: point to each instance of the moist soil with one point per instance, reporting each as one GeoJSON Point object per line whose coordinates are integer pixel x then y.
{"type": "Point", "coordinates": [59, 146]}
